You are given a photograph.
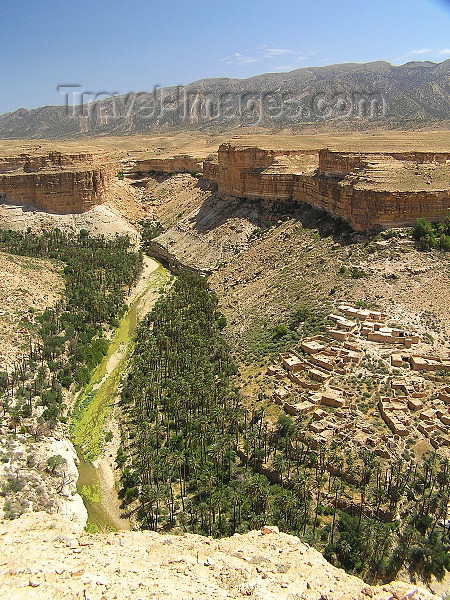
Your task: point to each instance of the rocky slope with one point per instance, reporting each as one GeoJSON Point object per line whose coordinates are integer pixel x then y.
{"type": "Point", "coordinates": [344, 96]}
{"type": "Point", "coordinates": [262, 564]}
{"type": "Point", "coordinates": [27, 287]}
{"type": "Point", "coordinates": [268, 258]}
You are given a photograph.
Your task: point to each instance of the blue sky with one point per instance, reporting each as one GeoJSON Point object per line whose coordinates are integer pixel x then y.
{"type": "Point", "coordinates": [133, 45]}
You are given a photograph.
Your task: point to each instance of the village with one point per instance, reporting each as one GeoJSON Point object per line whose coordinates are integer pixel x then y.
{"type": "Point", "coordinates": [405, 404]}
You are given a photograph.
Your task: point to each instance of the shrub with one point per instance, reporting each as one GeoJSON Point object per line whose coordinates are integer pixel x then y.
{"type": "Point", "coordinates": [421, 228]}
{"type": "Point", "coordinates": [444, 242]}
{"type": "Point", "coordinates": [358, 273]}
{"type": "Point", "coordinates": [279, 331]}
{"type": "Point", "coordinates": [432, 235]}
{"type": "Point", "coordinates": [121, 457]}
{"type": "Point", "coordinates": [54, 462]}
{"type": "Point", "coordinates": [222, 322]}
{"type": "Point", "coordinates": [428, 241]}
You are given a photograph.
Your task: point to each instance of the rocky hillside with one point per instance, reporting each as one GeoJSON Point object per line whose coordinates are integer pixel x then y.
{"type": "Point", "coordinates": [344, 96]}
{"type": "Point", "coordinates": [27, 287]}
{"type": "Point", "coordinates": [268, 259]}
{"type": "Point", "coordinates": [262, 564]}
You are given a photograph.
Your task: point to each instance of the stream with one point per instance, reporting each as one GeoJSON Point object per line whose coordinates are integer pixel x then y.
{"type": "Point", "coordinates": [93, 414]}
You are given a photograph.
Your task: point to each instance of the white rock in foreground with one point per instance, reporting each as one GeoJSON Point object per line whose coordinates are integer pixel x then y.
{"type": "Point", "coordinates": [45, 557]}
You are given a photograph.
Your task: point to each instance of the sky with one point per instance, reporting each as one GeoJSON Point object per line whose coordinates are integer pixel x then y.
{"type": "Point", "coordinates": [131, 46]}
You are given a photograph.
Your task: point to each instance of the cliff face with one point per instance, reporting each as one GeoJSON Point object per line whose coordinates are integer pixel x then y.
{"type": "Point", "coordinates": [346, 185]}
{"type": "Point", "coordinates": [51, 160]}
{"type": "Point", "coordinates": [344, 163]}
{"type": "Point", "coordinates": [55, 182]}
{"type": "Point", "coordinates": [180, 163]}
{"type": "Point", "coordinates": [211, 170]}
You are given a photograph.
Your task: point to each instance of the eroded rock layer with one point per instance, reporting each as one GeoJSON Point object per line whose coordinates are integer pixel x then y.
{"type": "Point", "coordinates": [367, 190]}
{"type": "Point", "coordinates": [56, 182]}
{"type": "Point", "coordinates": [179, 163]}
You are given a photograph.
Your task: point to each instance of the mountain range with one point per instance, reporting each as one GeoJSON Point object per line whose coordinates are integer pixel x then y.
{"type": "Point", "coordinates": [344, 96]}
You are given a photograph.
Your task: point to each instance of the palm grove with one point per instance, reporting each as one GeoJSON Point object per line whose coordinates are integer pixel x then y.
{"type": "Point", "coordinates": [66, 341]}
{"type": "Point", "coordinates": [194, 456]}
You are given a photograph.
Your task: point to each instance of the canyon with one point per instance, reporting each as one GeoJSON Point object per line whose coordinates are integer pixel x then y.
{"type": "Point", "coordinates": [377, 184]}
{"type": "Point", "coordinates": [197, 195]}
{"type": "Point", "coordinates": [368, 190]}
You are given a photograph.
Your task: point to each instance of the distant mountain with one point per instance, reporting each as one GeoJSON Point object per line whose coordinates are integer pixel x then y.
{"type": "Point", "coordinates": [344, 96]}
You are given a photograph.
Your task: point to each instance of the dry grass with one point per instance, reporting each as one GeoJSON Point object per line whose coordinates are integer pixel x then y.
{"type": "Point", "coordinates": [26, 284]}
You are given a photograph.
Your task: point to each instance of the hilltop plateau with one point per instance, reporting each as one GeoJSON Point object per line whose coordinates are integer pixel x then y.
{"type": "Point", "coordinates": [262, 564]}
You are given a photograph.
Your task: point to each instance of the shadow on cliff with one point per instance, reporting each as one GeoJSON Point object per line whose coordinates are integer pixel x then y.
{"type": "Point", "coordinates": [216, 210]}
{"type": "Point", "coordinates": [325, 224]}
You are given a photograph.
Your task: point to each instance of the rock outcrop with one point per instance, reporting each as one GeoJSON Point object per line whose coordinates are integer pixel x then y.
{"type": "Point", "coordinates": [44, 557]}
{"type": "Point", "coordinates": [179, 163]}
{"type": "Point", "coordinates": [367, 190]}
{"type": "Point", "coordinates": [55, 182]}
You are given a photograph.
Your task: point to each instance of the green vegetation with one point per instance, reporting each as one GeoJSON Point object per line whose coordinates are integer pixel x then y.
{"type": "Point", "coordinates": [195, 458]}
{"type": "Point", "coordinates": [91, 493]}
{"type": "Point", "coordinates": [310, 320]}
{"type": "Point", "coordinates": [304, 320]}
{"type": "Point", "coordinates": [56, 462]}
{"type": "Point", "coordinates": [149, 231]}
{"type": "Point", "coordinates": [94, 403]}
{"type": "Point", "coordinates": [69, 339]}
{"type": "Point", "coordinates": [183, 412]}
{"type": "Point", "coordinates": [358, 273]}
{"type": "Point", "coordinates": [432, 235]}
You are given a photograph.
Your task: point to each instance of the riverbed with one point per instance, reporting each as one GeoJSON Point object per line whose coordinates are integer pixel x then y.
{"type": "Point", "coordinates": [94, 414]}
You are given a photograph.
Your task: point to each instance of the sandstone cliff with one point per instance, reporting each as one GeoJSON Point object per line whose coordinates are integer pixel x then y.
{"type": "Point", "coordinates": [179, 163]}
{"type": "Point", "coordinates": [367, 190]}
{"type": "Point", "coordinates": [56, 182]}
{"type": "Point", "coordinates": [44, 557]}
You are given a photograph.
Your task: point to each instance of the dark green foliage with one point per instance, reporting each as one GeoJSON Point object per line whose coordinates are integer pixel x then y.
{"type": "Point", "coordinates": [279, 331]}
{"type": "Point", "coordinates": [358, 273]}
{"type": "Point", "coordinates": [98, 273]}
{"type": "Point", "coordinates": [55, 462]}
{"type": "Point", "coordinates": [149, 231]}
{"type": "Point", "coordinates": [185, 413]}
{"type": "Point", "coordinates": [348, 549]}
{"type": "Point", "coordinates": [310, 320]}
{"type": "Point", "coordinates": [432, 235]}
